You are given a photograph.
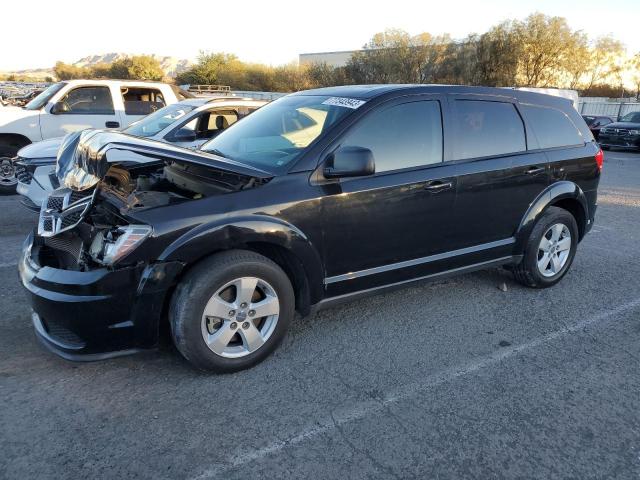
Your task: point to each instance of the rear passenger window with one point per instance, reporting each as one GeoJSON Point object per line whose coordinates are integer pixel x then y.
{"type": "Point", "coordinates": [553, 127]}
{"type": "Point", "coordinates": [401, 136]}
{"type": "Point", "coordinates": [141, 100]}
{"type": "Point", "coordinates": [484, 129]}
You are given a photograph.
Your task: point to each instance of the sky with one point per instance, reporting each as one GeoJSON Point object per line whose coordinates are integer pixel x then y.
{"type": "Point", "coordinates": [267, 32]}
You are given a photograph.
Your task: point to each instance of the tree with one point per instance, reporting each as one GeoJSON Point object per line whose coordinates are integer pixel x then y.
{"type": "Point", "coordinates": [604, 63]}
{"type": "Point", "coordinates": [634, 68]}
{"type": "Point", "coordinates": [545, 46]}
{"type": "Point", "coordinates": [69, 72]}
{"type": "Point", "coordinates": [209, 68]}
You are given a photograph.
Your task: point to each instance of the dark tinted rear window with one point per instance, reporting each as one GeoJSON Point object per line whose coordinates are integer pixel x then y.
{"type": "Point", "coordinates": [553, 127]}
{"type": "Point", "coordinates": [484, 129]}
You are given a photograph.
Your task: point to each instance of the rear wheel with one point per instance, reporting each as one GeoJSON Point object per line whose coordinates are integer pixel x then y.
{"type": "Point", "coordinates": [550, 249]}
{"type": "Point", "coordinates": [231, 311]}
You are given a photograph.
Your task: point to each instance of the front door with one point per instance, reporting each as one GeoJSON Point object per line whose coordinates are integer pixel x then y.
{"type": "Point", "coordinates": [390, 226]}
{"type": "Point", "coordinates": [81, 108]}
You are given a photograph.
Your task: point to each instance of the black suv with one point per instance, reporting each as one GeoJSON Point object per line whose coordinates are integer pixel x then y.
{"type": "Point", "coordinates": [624, 133]}
{"type": "Point", "coordinates": [318, 197]}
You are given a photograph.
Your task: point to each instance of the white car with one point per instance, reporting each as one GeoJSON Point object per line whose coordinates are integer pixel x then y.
{"type": "Point", "coordinates": [187, 124]}
{"type": "Point", "coordinates": [73, 105]}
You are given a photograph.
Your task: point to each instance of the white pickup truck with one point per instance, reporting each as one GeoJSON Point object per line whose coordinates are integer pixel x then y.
{"type": "Point", "coordinates": [73, 105]}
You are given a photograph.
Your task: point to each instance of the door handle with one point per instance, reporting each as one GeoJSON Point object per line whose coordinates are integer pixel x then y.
{"type": "Point", "coordinates": [437, 186]}
{"type": "Point", "coordinates": [535, 170]}
{"type": "Point", "coordinates": [111, 124]}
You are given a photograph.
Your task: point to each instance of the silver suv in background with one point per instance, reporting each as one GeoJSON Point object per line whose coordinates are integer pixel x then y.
{"type": "Point", "coordinates": [187, 124]}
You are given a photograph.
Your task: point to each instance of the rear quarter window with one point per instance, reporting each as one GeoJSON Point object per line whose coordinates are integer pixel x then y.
{"type": "Point", "coordinates": [552, 127]}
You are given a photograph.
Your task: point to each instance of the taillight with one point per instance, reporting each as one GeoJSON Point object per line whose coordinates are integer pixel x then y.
{"type": "Point", "coordinates": [600, 159]}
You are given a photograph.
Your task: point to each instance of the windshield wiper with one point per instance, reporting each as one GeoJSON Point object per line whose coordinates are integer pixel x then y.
{"type": "Point", "coordinates": [217, 152]}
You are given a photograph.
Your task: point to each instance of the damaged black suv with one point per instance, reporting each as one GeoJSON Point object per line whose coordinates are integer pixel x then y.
{"type": "Point", "coordinates": [318, 197]}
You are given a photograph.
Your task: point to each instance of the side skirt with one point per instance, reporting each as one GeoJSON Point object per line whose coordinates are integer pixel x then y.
{"type": "Point", "coordinates": [341, 299]}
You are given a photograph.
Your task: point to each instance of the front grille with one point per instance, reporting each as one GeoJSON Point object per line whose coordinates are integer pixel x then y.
{"type": "Point", "coordinates": [63, 210]}
{"type": "Point", "coordinates": [71, 219]}
{"type": "Point", "coordinates": [23, 175]}
{"type": "Point", "coordinates": [621, 132]}
{"type": "Point", "coordinates": [65, 242]}
{"type": "Point", "coordinates": [55, 202]}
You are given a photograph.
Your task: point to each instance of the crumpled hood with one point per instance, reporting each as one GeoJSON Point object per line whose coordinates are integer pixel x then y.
{"type": "Point", "coordinates": [84, 157]}
{"type": "Point", "coordinates": [44, 149]}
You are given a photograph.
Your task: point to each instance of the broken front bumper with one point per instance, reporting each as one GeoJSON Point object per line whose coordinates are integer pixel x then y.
{"type": "Point", "coordinates": [99, 313]}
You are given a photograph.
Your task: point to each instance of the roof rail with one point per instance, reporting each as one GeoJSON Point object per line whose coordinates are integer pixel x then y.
{"type": "Point", "coordinates": [209, 88]}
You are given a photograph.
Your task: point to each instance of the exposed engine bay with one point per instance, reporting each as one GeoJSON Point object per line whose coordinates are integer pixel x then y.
{"type": "Point", "coordinates": [87, 224]}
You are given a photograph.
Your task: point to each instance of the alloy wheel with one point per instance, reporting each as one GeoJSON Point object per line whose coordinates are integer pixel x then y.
{"type": "Point", "coordinates": [554, 250]}
{"type": "Point", "coordinates": [240, 317]}
{"type": "Point", "coordinates": [7, 172]}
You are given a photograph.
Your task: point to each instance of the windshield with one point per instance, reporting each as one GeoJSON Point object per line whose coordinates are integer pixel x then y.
{"type": "Point", "coordinates": [589, 120]}
{"type": "Point", "coordinates": [158, 121]}
{"type": "Point", "coordinates": [281, 131]}
{"type": "Point", "coordinates": [633, 117]}
{"type": "Point", "coordinates": [42, 99]}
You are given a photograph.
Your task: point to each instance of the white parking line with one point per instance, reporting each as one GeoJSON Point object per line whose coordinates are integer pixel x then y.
{"type": "Point", "coordinates": [367, 408]}
{"type": "Point", "coordinates": [8, 264]}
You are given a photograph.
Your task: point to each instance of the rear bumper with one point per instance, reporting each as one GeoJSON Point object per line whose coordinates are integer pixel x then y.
{"type": "Point", "coordinates": [99, 313]}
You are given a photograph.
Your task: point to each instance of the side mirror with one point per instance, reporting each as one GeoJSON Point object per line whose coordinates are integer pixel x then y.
{"type": "Point", "coordinates": [350, 162]}
{"type": "Point", "coordinates": [185, 135]}
{"type": "Point", "coordinates": [58, 108]}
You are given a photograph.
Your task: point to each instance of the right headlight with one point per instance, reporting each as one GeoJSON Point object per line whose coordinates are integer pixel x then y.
{"type": "Point", "coordinates": [109, 247]}
{"type": "Point", "coordinates": [634, 132]}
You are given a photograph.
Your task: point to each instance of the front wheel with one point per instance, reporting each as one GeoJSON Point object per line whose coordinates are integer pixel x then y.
{"type": "Point", "coordinates": [550, 249]}
{"type": "Point", "coordinates": [231, 311]}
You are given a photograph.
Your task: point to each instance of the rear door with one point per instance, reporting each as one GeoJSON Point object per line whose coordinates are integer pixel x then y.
{"type": "Point", "coordinates": [89, 106]}
{"type": "Point", "coordinates": [498, 177]}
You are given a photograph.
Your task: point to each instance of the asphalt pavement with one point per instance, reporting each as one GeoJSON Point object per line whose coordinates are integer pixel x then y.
{"type": "Point", "coordinates": [455, 379]}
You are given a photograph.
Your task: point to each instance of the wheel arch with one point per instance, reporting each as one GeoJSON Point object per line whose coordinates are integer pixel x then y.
{"type": "Point", "coordinates": [273, 238]}
{"type": "Point", "coordinates": [15, 141]}
{"type": "Point", "coordinates": [564, 194]}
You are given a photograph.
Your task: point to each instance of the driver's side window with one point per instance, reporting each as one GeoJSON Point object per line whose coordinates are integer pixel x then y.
{"type": "Point", "coordinates": [88, 101]}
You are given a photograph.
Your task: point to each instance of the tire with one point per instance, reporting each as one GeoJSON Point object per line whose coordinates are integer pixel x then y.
{"type": "Point", "coordinates": [528, 272]}
{"type": "Point", "coordinates": [8, 180]}
{"type": "Point", "coordinates": [241, 338]}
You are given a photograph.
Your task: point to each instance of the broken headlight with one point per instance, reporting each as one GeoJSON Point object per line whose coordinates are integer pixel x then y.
{"type": "Point", "coordinates": [111, 245]}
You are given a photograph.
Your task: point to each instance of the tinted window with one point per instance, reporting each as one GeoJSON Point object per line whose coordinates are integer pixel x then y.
{"type": "Point", "coordinates": [42, 99]}
{"type": "Point", "coordinates": [154, 123]}
{"type": "Point", "coordinates": [89, 100]}
{"type": "Point", "coordinates": [485, 129]}
{"type": "Point", "coordinates": [278, 133]}
{"type": "Point", "coordinates": [633, 117]}
{"type": "Point", "coordinates": [402, 136]}
{"type": "Point", "coordinates": [553, 127]}
{"type": "Point", "coordinates": [141, 101]}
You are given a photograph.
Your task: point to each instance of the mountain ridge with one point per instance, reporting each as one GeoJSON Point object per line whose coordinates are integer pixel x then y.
{"type": "Point", "coordinates": [170, 65]}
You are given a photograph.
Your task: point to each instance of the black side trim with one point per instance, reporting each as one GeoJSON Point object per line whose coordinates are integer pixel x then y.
{"type": "Point", "coordinates": [333, 301]}
{"type": "Point", "coordinates": [419, 261]}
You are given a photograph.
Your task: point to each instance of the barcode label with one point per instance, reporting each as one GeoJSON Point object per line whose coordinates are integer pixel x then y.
{"type": "Point", "coordinates": [344, 102]}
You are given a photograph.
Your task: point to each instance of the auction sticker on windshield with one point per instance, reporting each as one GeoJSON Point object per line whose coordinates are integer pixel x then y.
{"type": "Point", "coordinates": [344, 102]}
